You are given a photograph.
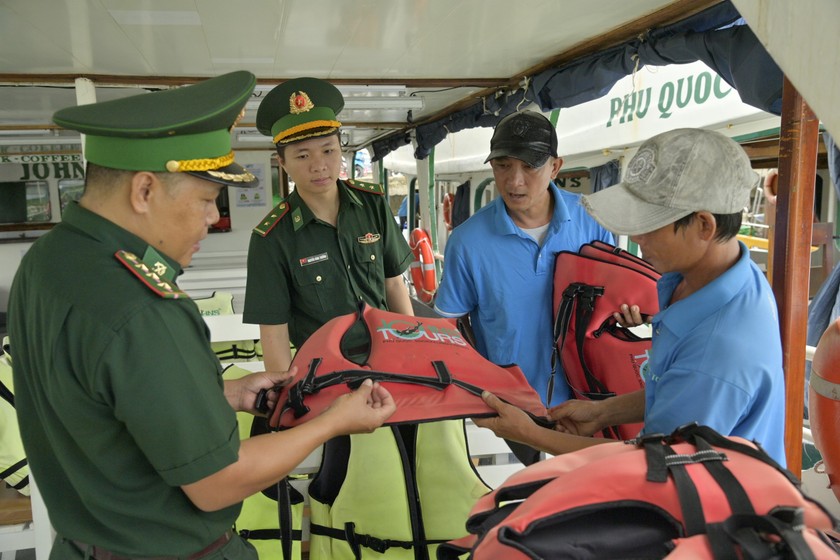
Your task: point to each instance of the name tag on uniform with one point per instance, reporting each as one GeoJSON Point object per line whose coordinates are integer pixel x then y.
{"type": "Point", "coordinates": [368, 238]}
{"type": "Point", "coordinates": [306, 261]}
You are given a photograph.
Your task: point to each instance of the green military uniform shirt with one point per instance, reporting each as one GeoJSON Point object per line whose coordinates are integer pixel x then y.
{"type": "Point", "coordinates": [304, 272]}
{"type": "Point", "coordinates": [119, 396]}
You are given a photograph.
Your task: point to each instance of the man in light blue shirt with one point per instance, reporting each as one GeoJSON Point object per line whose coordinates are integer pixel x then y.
{"type": "Point", "coordinates": [716, 356]}
{"type": "Point", "coordinates": [499, 264]}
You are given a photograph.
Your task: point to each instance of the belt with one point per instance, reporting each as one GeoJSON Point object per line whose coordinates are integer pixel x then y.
{"type": "Point", "coordinates": [99, 553]}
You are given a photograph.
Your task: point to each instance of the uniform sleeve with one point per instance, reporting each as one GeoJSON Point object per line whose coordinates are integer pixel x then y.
{"type": "Point", "coordinates": [268, 285]}
{"type": "Point", "coordinates": [398, 255]}
{"type": "Point", "coordinates": [456, 295]}
{"type": "Point", "coordinates": [167, 391]}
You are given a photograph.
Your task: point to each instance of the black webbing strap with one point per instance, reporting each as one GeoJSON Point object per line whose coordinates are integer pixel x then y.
{"type": "Point", "coordinates": [13, 469]}
{"type": "Point", "coordinates": [267, 534]}
{"type": "Point", "coordinates": [690, 504]}
{"type": "Point", "coordinates": [692, 430]}
{"type": "Point", "coordinates": [776, 535]}
{"type": "Point", "coordinates": [662, 460]}
{"type": "Point", "coordinates": [583, 316]}
{"type": "Point", "coordinates": [561, 329]}
{"type": "Point", "coordinates": [359, 540]}
{"type": "Point", "coordinates": [739, 501]}
{"type": "Point", "coordinates": [578, 301]}
{"type": "Point", "coordinates": [6, 394]}
{"type": "Point", "coordinates": [284, 515]}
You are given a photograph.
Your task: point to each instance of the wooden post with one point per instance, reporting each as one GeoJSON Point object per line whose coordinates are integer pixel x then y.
{"type": "Point", "coordinates": [798, 143]}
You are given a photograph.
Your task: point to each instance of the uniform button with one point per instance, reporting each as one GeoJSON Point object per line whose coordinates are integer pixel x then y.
{"type": "Point", "coordinates": [318, 278]}
{"type": "Point", "coordinates": [373, 257]}
{"type": "Point", "coordinates": [348, 267]}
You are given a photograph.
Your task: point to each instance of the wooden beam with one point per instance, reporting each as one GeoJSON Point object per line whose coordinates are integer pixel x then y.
{"type": "Point", "coordinates": [791, 270]}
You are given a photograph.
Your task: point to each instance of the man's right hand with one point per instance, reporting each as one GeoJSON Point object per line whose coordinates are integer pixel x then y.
{"type": "Point", "coordinates": [363, 410]}
{"type": "Point", "coordinates": [577, 417]}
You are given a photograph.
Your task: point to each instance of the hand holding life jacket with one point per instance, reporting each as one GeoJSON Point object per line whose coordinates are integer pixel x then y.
{"type": "Point", "coordinates": [645, 498]}
{"type": "Point", "coordinates": [430, 370]}
{"type": "Point", "coordinates": [600, 358]}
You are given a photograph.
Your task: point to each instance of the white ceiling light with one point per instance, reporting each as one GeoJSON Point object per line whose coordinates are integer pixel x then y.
{"type": "Point", "coordinates": [27, 132]}
{"type": "Point", "coordinates": [352, 103]}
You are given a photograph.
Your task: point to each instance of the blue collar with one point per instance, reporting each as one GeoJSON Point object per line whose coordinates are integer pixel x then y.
{"type": "Point", "coordinates": [707, 301]}
{"type": "Point", "coordinates": [504, 225]}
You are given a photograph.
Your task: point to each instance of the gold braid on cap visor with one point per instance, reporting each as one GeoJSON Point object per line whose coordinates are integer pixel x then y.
{"type": "Point", "coordinates": [210, 165]}
{"type": "Point", "coordinates": [332, 125]}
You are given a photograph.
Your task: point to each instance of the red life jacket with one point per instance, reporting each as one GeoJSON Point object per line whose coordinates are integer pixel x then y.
{"type": "Point", "coordinates": [600, 358]}
{"type": "Point", "coordinates": [430, 370]}
{"type": "Point", "coordinates": [636, 499]}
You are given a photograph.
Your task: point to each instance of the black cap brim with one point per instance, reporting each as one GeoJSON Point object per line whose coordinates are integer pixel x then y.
{"type": "Point", "coordinates": [531, 157]}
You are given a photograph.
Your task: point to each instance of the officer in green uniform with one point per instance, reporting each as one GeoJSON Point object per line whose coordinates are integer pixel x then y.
{"type": "Point", "coordinates": [331, 243]}
{"type": "Point", "coordinates": [130, 430]}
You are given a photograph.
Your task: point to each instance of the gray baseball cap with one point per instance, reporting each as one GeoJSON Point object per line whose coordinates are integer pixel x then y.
{"type": "Point", "coordinates": [528, 136]}
{"type": "Point", "coordinates": [673, 175]}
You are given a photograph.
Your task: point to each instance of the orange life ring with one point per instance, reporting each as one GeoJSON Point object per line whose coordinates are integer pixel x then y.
{"type": "Point", "coordinates": [448, 201]}
{"type": "Point", "coordinates": [824, 402]}
{"type": "Point", "coordinates": [423, 274]}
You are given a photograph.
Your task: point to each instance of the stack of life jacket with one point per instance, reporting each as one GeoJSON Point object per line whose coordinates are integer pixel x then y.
{"type": "Point", "coordinates": [694, 494]}
{"type": "Point", "coordinates": [14, 469]}
{"type": "Point", "coordinates": [599, 357]}
{"type": "Point", "coordinates": [221, 303]}
{"type": "Point", "coordinates": [404, 489]}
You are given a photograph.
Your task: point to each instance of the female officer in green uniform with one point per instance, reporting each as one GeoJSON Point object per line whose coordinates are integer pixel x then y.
{"type": "Point", "coordinates": [332, 243]}
{"type": "Point", "coordinates": [130, 431]}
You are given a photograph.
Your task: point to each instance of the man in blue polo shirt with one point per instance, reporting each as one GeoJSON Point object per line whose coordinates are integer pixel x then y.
{"type": "Point", "coordinates": [716, 356]}
{"type": "Point", "coordinates": [499, 264]}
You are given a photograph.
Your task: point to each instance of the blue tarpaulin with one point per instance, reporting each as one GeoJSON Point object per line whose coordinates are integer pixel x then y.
{"type": "Point", "coordinates": [717, 36]}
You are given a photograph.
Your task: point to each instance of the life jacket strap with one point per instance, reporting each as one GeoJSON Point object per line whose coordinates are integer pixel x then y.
{"type": "Point", "coordinates": [267, 534]}
{"type": "Point", "coordinates": [311, 384]}
{"type": "Point", "coordinates": [359, 540]}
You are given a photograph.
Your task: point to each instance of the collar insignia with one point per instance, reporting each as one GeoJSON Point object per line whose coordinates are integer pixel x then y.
{"type": "Point", "coordinates": [159, 285]}
{"type": "Point", "coordinates": [368, 238]}
{"type": "Point", "coordinates": [299, 103]}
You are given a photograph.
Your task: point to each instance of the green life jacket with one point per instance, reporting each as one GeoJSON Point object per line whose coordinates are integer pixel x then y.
{"type": "Point", "coordinates": [221, 303]}
{"type": "Point", "coordinates": [13, 466]}
{"type": "Point", "coordinates": [257, 521]}
{"type": "Point", "coordinates": [396, 493]}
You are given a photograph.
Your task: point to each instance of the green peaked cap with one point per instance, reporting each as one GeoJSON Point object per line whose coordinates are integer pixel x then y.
{"type": "Point", "coordinates": [298, 109]}
{"type": "Point", "coordinates": [185, 129]}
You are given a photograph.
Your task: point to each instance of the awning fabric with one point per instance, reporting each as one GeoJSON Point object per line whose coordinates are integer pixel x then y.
{"type": "Point", "coordinates": [717, 36]}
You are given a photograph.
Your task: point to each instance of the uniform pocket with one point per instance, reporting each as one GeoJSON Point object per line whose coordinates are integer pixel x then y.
{"type": "Point", "coordinates": [369, 258]}
{"type": "Point", "coordinates": [318, 279]}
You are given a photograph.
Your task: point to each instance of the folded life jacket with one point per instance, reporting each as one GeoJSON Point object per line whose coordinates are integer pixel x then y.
{"type": "Point", "coordinates": [642, 498]}
{"type": "Point", "coordinates": [425, 363]}
{"type": "Point", "coordinates": [221, 303]}
{"type": "Point", "coordinates": [385, 494]}
{"type": "Point", "coordinates": [599, 357]}
{"type": "Point", "coordinates": [257, 521]}
{"type": "Point", "coordinates": [14, 469]}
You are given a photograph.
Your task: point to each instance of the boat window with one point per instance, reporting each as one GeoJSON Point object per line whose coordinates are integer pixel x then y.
{"type": "Point", "coordinates": [24, 202]}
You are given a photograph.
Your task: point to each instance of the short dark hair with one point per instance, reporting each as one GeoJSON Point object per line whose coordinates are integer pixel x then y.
{"type": "Point", "coordinates": [728, 225]}
{"type": "Point", "coordinates": [281, 148]}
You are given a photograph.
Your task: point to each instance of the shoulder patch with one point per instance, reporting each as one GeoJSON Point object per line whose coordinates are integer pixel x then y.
{"type": "Point", "coordinates": [271, 220]}
{"type": "Point", "coordinates": [373, 188]}
{"type": "Point", "coordinates": [162, 287]}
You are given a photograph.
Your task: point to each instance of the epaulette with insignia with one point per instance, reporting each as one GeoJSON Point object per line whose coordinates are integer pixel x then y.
{"type": "Point", "coordinates": [373, 188]}
{"type": "Point", "coordinates": [271, 220]}
{"type": "Point", "coordinates": [152, 280]}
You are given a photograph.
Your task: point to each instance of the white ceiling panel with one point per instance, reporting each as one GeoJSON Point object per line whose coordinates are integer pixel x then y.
{"type": "Point", "coordinates": [446, 50]}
